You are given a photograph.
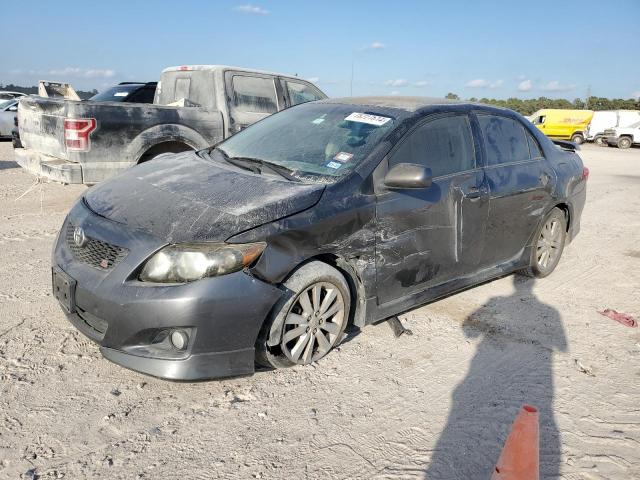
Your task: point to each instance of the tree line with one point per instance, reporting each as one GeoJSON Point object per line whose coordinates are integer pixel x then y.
{"type": "Point", "coordinates": [34, 90]}
{"type": "Point", "coordinates": [529, 106]}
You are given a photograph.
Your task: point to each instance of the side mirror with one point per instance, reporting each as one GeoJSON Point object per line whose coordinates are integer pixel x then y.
{"type": "Point", "coordinates": [408, 175]}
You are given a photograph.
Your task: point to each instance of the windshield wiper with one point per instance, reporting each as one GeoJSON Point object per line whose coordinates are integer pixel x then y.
{"type": "Point", "coordinates": [281, 170]}
{"type": "Point", "coordinates": [226, 158]}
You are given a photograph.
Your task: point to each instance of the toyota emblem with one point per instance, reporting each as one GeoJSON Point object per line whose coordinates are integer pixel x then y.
{"type": "Point", "coordinates": [79, 238]}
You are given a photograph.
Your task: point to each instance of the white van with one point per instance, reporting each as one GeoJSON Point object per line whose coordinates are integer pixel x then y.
{"type": "Point", "coordinates": [606, 119]}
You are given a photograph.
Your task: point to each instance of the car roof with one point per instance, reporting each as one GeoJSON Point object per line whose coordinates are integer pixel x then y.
{"type": "Point", "coordinates": [410, 104]}
{"type": "Point", "coordinates": [228, 67]}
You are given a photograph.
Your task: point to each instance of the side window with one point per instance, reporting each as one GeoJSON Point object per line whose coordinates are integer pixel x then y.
{"type": "Point", "coordinates": [254, 94]}
{"type": "Point", "coordinates": [182, 88]}
{"type": "Point", "coordinates": [534, 148]}
{"type": "Point", "coordinates": [504, 139]}
{"type": "Point", "coordinates": [444, 145]}
{"type": "Point", "coordinates": [539, 120]}
{"type": "Point", "coordinates": [301, 93]}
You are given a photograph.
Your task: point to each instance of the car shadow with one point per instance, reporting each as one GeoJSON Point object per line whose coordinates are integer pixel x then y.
{"type": "Point", "coordinates": [4, 165]}
{"type": "Point", "coordinates": [512, 366]}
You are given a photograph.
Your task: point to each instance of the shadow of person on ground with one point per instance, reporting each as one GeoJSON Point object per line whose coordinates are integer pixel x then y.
{"type": "Point", "coordinates": [511, 367]}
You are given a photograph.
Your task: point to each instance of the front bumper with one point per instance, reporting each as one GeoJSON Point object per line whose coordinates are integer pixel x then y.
{"type": "Point", "coordinates": [52, 168]}
{"type": "Point", "coordinates": [123, 315]}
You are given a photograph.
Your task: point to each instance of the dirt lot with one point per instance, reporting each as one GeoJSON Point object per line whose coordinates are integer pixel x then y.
{"type": "Point", "coordinates": [437, 402]}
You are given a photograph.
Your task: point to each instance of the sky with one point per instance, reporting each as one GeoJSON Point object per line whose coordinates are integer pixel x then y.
{"type": "Point", "coordinates": [493, 49]}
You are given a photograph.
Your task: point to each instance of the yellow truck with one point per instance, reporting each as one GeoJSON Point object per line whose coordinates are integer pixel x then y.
{"type": "Point", "coordinates": [562, 124]}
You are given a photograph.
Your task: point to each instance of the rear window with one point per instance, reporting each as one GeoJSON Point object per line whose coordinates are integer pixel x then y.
{"type": "Point", "coordinates": [119, 93]}
{"type": "Point", "coordinates": [254, 94]}
{"type": "Point", "coordinates": [504, 139]}
{"type": "Point", "coordinates": [195, 86]}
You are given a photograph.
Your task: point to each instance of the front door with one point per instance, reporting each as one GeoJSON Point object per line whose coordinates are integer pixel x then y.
{"type": "Point", "coordinates": [520, 185]}
{"type": "Point", "coordinates": [428, 236]}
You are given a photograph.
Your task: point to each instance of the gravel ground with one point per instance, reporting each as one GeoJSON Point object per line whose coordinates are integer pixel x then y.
{"type": "Point", "coordinates": [437, 404]}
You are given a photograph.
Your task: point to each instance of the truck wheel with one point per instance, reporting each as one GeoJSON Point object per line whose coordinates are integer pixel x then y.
{"type": "Point", "coordinates": [599, 140]}
{"type": "Point", "coordinates": [624, 142]}
{"type": "Point", "coordinates": [577, 138]}
{"type": "Point", "coordinates": [312, 319]}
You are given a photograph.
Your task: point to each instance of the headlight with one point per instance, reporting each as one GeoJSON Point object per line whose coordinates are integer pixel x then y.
{"type": "Point", "coordinates": [188, 262]}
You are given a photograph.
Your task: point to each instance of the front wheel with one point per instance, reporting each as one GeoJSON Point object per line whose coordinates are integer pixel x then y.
{"type": "Point", "coordinates": [624, 142]}
{"type": "Point", "coordinates": [599, 140]}
{"type": "Point", "coordinates": [550, 240]}
{"type": "Point", "coordinates": [310, 322]}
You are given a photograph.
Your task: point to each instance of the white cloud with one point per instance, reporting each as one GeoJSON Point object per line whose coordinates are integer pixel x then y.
{"type": "Point", "coordinates": [376, 46]}
{"type": "Point", "coordinates": [313, 79]}
{"type": "Point", "coordinates": [399, 82]}
{"type": "Point", "coordinates": [251, 10]}
{"type": "Point", "coordinates": [525, 85]}
{"type": "Point", "coordinates": [77, 72]}
{"type": "Point", "coordinates": [482, 83]}
{"type": "Point", "coordinates": [636, 95]}
{"type": "Point", "coordinates": [420, 83]}
{"type": "Point", "coordinates": [395, 92]}
{"type": "Point", "coordinates": [556, 86]}
{"type": "Point", "coordinates": [477, 83]}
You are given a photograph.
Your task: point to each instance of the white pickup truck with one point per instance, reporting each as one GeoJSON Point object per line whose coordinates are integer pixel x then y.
{"type": "Point", "coordinates": [623, 137]}
{"type": "Point", "coordinates": [195, 106]}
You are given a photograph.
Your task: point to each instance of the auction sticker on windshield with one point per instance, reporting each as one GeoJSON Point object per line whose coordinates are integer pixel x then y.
{"type": "Point", "coordinates": [368, 118]}
{"type": "Point", "coordinates": [343, 157]}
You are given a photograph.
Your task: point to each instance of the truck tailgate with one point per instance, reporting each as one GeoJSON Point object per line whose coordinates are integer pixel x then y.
{"type": "Point", "coordinates": [41, 124]}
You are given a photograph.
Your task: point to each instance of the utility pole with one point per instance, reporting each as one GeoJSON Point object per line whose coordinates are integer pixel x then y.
{"type": "Point", "coordinates": [588, 96]}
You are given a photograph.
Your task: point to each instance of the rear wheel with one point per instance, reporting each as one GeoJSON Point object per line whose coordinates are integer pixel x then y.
{"type": "Point", "coordinates": [577, 138]}
{"type": "Point", "coordinates": [310, 322]}
{"type": "Point", "coordinates": [549, 244]}
{"type": "Point", "coordinates": [624, 142]}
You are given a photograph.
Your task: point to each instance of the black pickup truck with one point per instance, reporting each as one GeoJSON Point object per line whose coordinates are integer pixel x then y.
{"type": "Point", "coordinates": [194, 107]}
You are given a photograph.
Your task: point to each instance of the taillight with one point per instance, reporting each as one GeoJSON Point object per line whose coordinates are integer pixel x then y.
{"type": "Point", "coordinates": [585, 173]}
{"type": "Point", "coordinates": [77, 132]}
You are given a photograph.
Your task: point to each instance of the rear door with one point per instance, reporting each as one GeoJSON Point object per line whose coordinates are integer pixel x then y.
{"type": "Point", "coordinates": [428, 236]}
{"type": "Point", "coordinates": [251, 97]}
{"type": "Point", "coordinates": [520, 182]}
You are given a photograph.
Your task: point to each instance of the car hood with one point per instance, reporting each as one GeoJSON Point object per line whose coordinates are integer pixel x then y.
{"type": "Point", "coordinates": [184, 198]}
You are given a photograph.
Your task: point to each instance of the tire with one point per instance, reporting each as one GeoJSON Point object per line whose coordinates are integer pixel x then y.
{"type": "Point", "coordinates": [599, 140]}
{"type": "Point", "coordinates": [299, 329]}
{"type": "Point", "coordinates": [577, 138]}
{"type": "Point", "coordinates": [624, 142]}
{"type": "Point", "coordinates": [544, 255]}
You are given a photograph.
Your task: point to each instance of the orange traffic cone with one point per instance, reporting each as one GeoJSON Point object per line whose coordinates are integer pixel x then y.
{"type": "Point", "coordinates": [520, 456]}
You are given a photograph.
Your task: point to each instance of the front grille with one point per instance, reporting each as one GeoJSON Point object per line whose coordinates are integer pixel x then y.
{"type": "Point", "coordinates": [95, 253]}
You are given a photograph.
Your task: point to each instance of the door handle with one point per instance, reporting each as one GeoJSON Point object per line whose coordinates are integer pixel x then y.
{"type": "Point", "coordinates": [474, 193]}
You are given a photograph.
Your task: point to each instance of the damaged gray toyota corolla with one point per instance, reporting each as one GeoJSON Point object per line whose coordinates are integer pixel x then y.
{"type": "Point", "coordinates": [264, 248]}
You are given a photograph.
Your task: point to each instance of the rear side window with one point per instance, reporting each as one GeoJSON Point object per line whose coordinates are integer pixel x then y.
{"type": "Point", "coordinates": [254, 94]}
{"type": "Point", "coordinates": [534, 148]}
{"type": "Point", "coordinates": [444, 145]}
{"type": "Point", "coordinates": [301, 93]}
{"type": "Point", "coordinates": [504, 139]}
{"type": "Point", "coordinates": [142, 95]}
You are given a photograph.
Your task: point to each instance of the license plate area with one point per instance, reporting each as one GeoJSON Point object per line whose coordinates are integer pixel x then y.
{"type": "Point", "coordinates": [64, 289]}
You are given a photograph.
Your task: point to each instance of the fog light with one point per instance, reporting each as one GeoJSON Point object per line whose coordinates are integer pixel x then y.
{"type": "Point", "coordinates": [179, 339]}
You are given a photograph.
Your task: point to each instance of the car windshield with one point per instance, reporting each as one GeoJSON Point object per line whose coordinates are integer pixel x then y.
{"type": "Point", "coordinates": [5, 103]}
{"type": "Point", "coordinates": [115, 94]}
{"type": "Point", "coordinates": [312, 139]}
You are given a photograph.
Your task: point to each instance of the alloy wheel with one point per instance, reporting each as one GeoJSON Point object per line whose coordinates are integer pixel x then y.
{"type": "Point", "coordinates": [549, 244]}
{"type": "Point", "coordinates": [313, 324]}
